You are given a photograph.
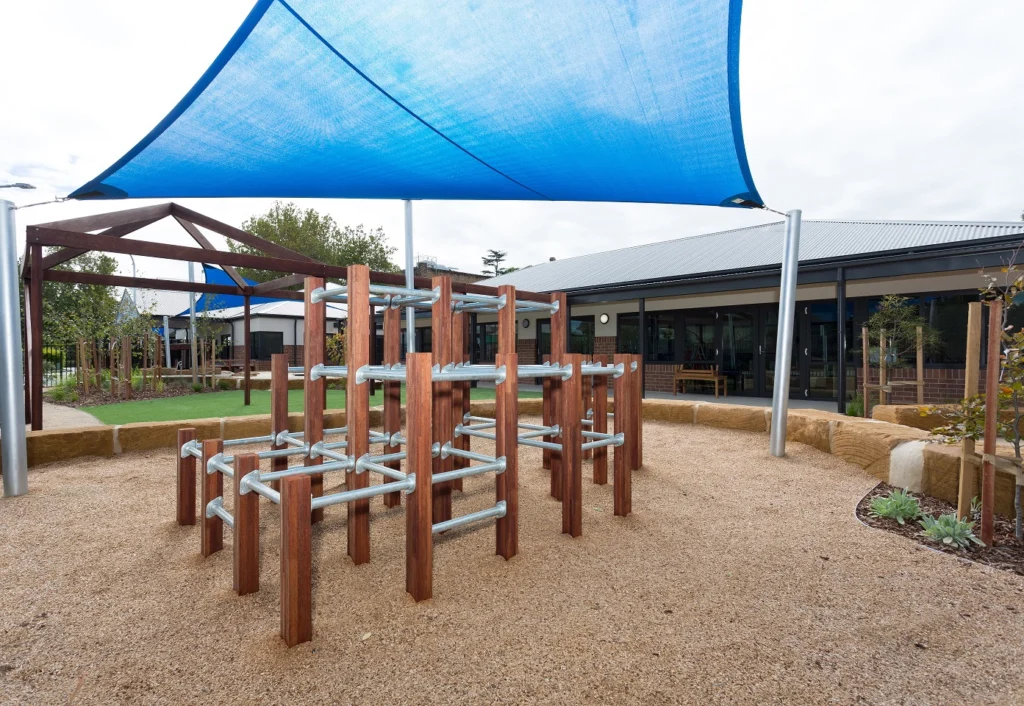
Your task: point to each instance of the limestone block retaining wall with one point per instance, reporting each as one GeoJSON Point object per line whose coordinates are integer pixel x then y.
{"type": "Point", "coordinates": [895, 453]}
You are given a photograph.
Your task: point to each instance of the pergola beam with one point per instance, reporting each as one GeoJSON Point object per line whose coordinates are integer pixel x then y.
{"type": "Point", "coordinates": [205, 244]}
{"type": "Point", "coordinates": [281, 282]}
{"type": "Point", "coordinates": [137, 282]}
{"type": "Point", "coordinates": [238, 234]}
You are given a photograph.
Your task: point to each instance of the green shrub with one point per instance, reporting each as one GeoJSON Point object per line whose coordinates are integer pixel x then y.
{"type": "Point", "coordinates": [64, 391]}
{"type": "Point", "coordinates": [225, 385]}
{"type": "Point", "coordinates": [976, 508]}
{"type": "Point", "coordinates": [855, 407]}
{"type": "Point", "coordinates": [949, 530]}
{"type": "Point", "coordinates": [898, 505]}
{"type": "Point", "coordinates": [196, 387]}
{"type": "Point", "coordinates": [159, 387]}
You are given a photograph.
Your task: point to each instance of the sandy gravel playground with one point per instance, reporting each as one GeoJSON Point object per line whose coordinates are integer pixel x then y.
{"type": "Point", "coordinates": [739, 578]}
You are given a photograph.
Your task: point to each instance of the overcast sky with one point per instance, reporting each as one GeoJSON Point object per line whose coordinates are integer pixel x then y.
{"type": "Point", "coordinates": [867, 110]}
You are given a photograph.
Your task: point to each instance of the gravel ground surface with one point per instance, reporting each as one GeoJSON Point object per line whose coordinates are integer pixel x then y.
{"type": "Point", "coordinates": [739, 578]}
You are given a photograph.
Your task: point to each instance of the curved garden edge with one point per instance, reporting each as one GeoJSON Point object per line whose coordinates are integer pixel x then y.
{"type": "Point", "coordinates": [1006, 555]}
{"type": "Point", "coordinates": [892, 453]}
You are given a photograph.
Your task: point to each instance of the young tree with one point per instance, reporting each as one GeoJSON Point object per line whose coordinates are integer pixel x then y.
{"type": "Point", "coordinates": [318, 236]}
{"type": "Point", "coordinates": [72, 311]}
{"type": "Point", "coordinates": [900, 319]}
{"type": "Point", "coordinates": [493, 259]}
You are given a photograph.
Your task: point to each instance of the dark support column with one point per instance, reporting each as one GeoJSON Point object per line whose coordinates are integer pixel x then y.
{"type": "Point", "coordinates": [35, 338]}
{"type": "Point", "coordinates": [248, 348]}
{"type": "Point", "coordinates": [841, 338]}
{"type": "Point", "coordinates": [473, 353]}
{"type": "Point", "coordinates": [642, 337]}
{"type": "Point", "coordinates": [24, 358]}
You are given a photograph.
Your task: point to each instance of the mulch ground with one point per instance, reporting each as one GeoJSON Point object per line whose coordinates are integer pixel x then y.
{"type": "Point", "coordinates": [739, 578]}
{"type": "Point", "coordinates": [1006, 552]}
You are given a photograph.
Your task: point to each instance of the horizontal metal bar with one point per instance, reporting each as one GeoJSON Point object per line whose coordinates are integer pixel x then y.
{"type": "Point", "coordinates": [327, 371]}
{"type": "Point", "coordinates": [540, 433]}
{"type": "Point", "coordinates": [215, 508]}
{"type": "Point", "coordinates": [249, 440]}
{"type": "Point", "coordinates": [296, 369]}
{"type": "Point", "coordinates": [496, 511]}
{"type": "Point", "coordinates": [546, 370]}
{"type": "Point", "coordinates": [481, 426]}
{"type": "Point", "coordinates": [318, 450]}
{"type": "Point", "coordinates": [251, 482]}
{"type": "Point", "coordinates": [462, 431]}
{"type": "Point", "coordinates": [305, 470]}
{"type": "Point", "coordinates": [191, 448]}
{"type": "Point", "coordinates": [449, 450]}
{"type": "Point", "coordinates": [497, 467]}
{"type": "Point", "coordinates": [597, 369]}
{"type": "Point", "coordinates": [540, 444]}
{"type": "Point", "coordinates": [362, 493]}
{"type": "Point", "coordinates": [616, 440]}
{"type": "Point", "coordinates": [216, 463]}
{"type": "Point", "coordinates": [366, 465]}
{"type": "Point", "coordinates": [596, 435]}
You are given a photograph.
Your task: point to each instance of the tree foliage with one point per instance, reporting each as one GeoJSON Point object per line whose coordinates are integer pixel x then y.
{"type": "Point", "coordinates": [317, 236]}
{"type": "Point", "coordinates": [72, 311]}
{"type": "Point", "coordinates": [900, 319]}
{"type": "Point", "coordinates": [492, 262]}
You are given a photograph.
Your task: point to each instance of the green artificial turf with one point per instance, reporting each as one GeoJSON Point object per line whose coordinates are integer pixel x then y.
{"type": "Point", "coordinates": [229, 404]}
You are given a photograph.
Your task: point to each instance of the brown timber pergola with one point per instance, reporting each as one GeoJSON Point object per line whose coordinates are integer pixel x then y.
{"type": "Point", "coordinates": [105, 233]}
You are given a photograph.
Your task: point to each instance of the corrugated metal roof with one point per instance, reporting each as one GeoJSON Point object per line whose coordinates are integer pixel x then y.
{"type": "Point", "coordinates": [744, 248]}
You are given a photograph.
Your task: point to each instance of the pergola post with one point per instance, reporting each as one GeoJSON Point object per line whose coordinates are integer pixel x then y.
{"type": "Point", "coordinates": [34, 316]}
{"type": "Point", "coordinates": [248, 348]}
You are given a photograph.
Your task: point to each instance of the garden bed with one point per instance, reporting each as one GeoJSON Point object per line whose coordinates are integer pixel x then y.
{"type": "Point", "coordinates": [1006, 554]}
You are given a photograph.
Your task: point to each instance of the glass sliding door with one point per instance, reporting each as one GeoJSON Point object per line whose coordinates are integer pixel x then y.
{"type": "Point", "coordinates": [770, 320]}
{"type": "Point", "coordinates": [739, 352]}
{"type": "Point", "coordinates": [822, 351]}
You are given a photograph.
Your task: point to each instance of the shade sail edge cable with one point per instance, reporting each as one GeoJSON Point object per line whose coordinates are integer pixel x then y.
{"type": "Point", "coordinates": [399, 103]}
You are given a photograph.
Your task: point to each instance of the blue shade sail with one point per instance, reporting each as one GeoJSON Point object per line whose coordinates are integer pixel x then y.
{"type": "Point", "coordinates": [212, 302]}
{"type": "Point", "coordinates": [567, 100]}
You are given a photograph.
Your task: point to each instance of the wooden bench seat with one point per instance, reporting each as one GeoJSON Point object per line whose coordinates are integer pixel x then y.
{"type": "Point", "coordinates": [710, 374]}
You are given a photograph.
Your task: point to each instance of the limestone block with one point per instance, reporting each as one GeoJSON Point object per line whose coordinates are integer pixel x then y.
{"type": "Point", "coordinates": [808, 427]}
{"type": "Point", "coordinates": [49, 445]}
{"type": "Point", "coordinates": [145, 436]}
{"type": "Point", "coordinates": [678, 411]}
{"type": "Point", "coordinates": [731, 416]}
{"type": "Point", "coordinates": [868, 443]}
{"type": "Point", "coordinates": [244, 427]}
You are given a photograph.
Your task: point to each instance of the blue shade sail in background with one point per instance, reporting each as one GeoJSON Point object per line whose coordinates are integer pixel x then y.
{"type": "Point", "coordinates": [213, 302]}
{"type": "Point", "coordinates": [567, 100]}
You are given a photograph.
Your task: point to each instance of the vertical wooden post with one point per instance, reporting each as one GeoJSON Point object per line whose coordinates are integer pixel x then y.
{"type": "Point", "coordinates": [622, 490]}
{"type": "Point", "coordinates": [357, 405]}
{"type": "Point", "coordinates": [34, 317]}
{"type": "Point", "coordinates": [883, 368]}
{"type": "Point", "coordinates": [246, 534]}
{"type": "Point", "coordinates": [865, 344]}
{"type": "Point", "coordinates": [211, 535]}
{"type": "Point", "coordinates": [968, 470]}
{"type": "Point", "coordinates": [419, 543]}
{"type": "Point", "coordinates": [296, 561]}
{"type": "Point", "coordinates": [601, 427]}
{"type": "Point", "coordinates": [572, 478]}
{"type": "Point", "coordinates": [247, 363]}
{"type": "Point", "coordinates": [458, 390]}
{"type": "Point", "coordinates": [278, 409]}
{"type": "Point", "coordinates": [638, 413]}
{"type": "Point", "coordinates": [441, 354]}
{"type": "Point", "coordinates": [27, 385]}
{"type": "Point", "coordinates": [920, 365]}
{"type": "Point", "coordinates": [186, 480]}
{"type": "Point", "coordinates": [988, 475]}
{"type": "Point", "coordinates": [393, 390]}
{"type": "Point", "coordinates": [506, 415]}
{"type": "Point", "coordinates": [558, 333]}
{"type": "Point", "coordinates": [126, 351]}
{"type": "Point", "coordinates": [314, 333]}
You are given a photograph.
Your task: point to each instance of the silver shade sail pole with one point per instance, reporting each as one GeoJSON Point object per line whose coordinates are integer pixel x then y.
{"type": "Point", "coordinates": [784, 342]}
{"type": "Point", "coordinates": [12, 385]}
{"type": "Point", "coordinates": [410, 266]}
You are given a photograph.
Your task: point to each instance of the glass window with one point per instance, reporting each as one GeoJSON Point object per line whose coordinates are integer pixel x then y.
{"type": "Point", "coordinates": [266, 343]}
{"type": "Point", "coordinates": [543, 337]}
{"type": "Point", "coordinates": [699, 338]}
{"type": "Point", "coordinates": [628, 333]}
{"type": "Point", "coordinates": [581, 335]}
{"type": "Point", "coordinates": [947, 313]}
{"type": "Point", "coordinates": [661, 337]}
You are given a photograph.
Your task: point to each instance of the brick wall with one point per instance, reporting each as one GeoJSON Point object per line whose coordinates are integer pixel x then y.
{"type": "Point", "coordinates": [940, 385]}
{"type": "Point", "coordinates": [526, 349]}
{"type": "Point", "coordinates": [604, 345]}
